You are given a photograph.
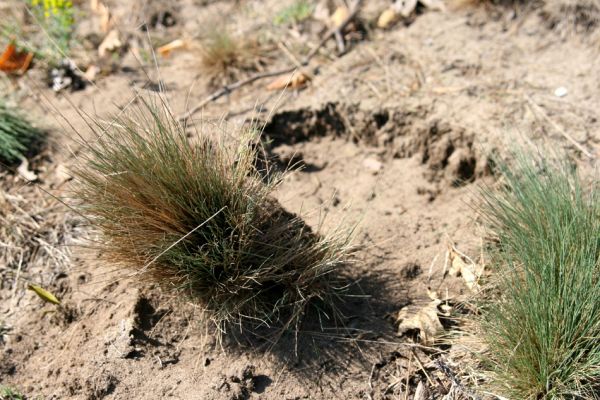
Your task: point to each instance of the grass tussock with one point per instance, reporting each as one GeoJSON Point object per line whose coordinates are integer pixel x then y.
{"type": "Point", "coordinates": [543, 328]}
{"type": "Point", "coordinates": [225, 57]}
{"type": "Point", "coordinates": [197, 217]}
{"type": "Point", "coordinates": [18, 138]}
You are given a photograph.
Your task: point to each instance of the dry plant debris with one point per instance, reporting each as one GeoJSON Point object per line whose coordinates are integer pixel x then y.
{"type": "Point", "coordinates": [225, 57]}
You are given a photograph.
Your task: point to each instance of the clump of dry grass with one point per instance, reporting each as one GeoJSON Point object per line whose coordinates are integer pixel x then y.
{"type": "Point", "coordinates": [225, 57]}
{"type": "Point", "coordinates": [34, 231]}
{"type": "Point", "coordinates": [198, 218]}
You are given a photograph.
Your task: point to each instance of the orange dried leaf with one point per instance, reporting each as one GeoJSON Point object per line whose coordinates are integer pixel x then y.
{"type": "Point", "coordinates": [15, 61]}
{"type": "Point", "coordinates": [295, 81]}
{"type": "Point", "coordinates": [166, 50]}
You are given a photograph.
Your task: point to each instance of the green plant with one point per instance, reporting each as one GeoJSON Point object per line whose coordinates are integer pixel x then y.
{"type": "Point", "coordinates": [56, 18]}
{"type": "Point", "coordinates": [47, 30]}
{"type": "Point", "coordinates": [295, 13]}
{"type": "Point", "coordinates": [197, 217]}
{"type": "Point", "coordinates": [543, 328]}
{"type": "Point", "coordinates": [7, 393]}
{"type": "Point", "coordinates": [17, 136]}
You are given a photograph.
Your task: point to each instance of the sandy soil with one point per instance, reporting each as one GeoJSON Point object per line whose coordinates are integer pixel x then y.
{"type": "Point", "coordinates": [395, 137]}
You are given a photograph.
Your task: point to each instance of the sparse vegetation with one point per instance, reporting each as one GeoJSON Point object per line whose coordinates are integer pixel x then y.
{"type": "Point", "coordinates": [299, 11]}
{"type": "Point", "coordinates": [543, 328]}
{"type": "Point", "coordinates": [8, 393]}
{"type": "Point", "coordinates": [17, 136]}
{"type": "Point", "coordinates": [45, 30]}
{"type": "Point", "coordinates": [225, 56]}
{"type": "Point", "coordinates": [198, 218]}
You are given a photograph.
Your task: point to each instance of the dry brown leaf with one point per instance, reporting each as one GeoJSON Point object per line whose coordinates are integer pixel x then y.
{"type": "Point", "coordinates": [44, 294]}
{"type": "Point", "coordinates": [339, 16]}
{"type": "Point", "coordinates": [103, 12]}
{"type": "Point", "coordinates": [470, 271]}
{"type": "Point", "coordinates": [15, 61]}
{"type": "Point", "coordinates": [387, 18]}
{"type": "Point", "coordinates": [423, 318]}
{"type": "Point", "coordinates": [166, 50]}
{"type": "Point", "coordinates": [110, 43]}
{"type": "Point", "coordinates": [298, 80]}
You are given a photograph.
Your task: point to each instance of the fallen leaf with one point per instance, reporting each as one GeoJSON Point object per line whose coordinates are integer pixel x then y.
{"type": "Point", "coordinates": [339, 16]}
{"type": "Point", "coordinates": [421, 392]}
{"type": "Point", "coordinates": [24, 171]}
{"type": "Point", "coordinates": [437, 5]}
{"type": "Point", "coordinates": [470, 271]}
{"type": "Point", "coordinates": [298, 80]}
{"type": "Point", "coordinates": [103, 12]}
{"type": "Point", "coordinates": [44, 294]}
{"type": "Point", "coordinates": [91, 72]}
{"type": "Point", "coordinates": [110, 43]}
{"type": "Point", "coordinates": [387, 18]}
{"type": "Point", "coordinates": [15, 61]}
{"type": "Point", "coordinates": [423, 318]}
{"type": "Point", "coordinates": [166, 50]}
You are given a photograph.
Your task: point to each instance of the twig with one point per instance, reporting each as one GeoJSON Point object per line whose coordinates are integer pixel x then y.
{"type": "Point", "coordinates": [229, 88]}
{"type": "Point", "coordinates": [445, 369]}
{"type": "Point", "coordinates": [557, 128]}
{"type": "Point", "coordinates": [236, 85]}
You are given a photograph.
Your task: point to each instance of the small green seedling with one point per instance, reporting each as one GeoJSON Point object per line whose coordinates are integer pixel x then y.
{"type": "Point", "coordinates": [295, 13]}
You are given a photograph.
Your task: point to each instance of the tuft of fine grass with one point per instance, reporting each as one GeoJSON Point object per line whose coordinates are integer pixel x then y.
{"type": "Point", "coordinates": [17, 136]}
{"type": "Point", "coordinates": [197, 217]}
{"type": "Point", "coordinates": [225, 57]}
{"type": "Point", "coordinates": [543, 328]}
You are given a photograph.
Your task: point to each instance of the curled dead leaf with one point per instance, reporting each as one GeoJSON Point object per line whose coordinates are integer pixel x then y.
{"type": "Point", "coordinates": [461, 265]}
{"type": "Point", "coordinates": [101, 10]}
{"type": "Point", "coordinates": [110, 43]}
{"type": "Point", "coordinates": [166, 50]}
{"type": "Point", "coordinates": [296, 81]}
{"type": "Point", "coordinates": [14, 61]}
{"type": "Point", "coordinates": [339, 16]}
{"type": "Point", "coordinates": [91, 72]}
{"type": "Point", "coordinates": [44, 294]}
{"type": "Point", "coordinates": [422, 318]}
{"type": "Point", "coordinates": [387, 18]}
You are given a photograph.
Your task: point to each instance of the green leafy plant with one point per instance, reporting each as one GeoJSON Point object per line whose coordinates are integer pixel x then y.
{"type": "Point", "coordinates": [17, 136]}
{"type": "Point", "coordinates": [543, 326]}
{"type": "Point", "coordinates": [46, 30]}
{"type": "Point", "coordinates": [56, 18]}
{"type": "Point", "coordinates": [8, 393]}
{"type": "Point", "coordinates": [299, 11]}
{"type": "Point", "coordinates": [197, 217]}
